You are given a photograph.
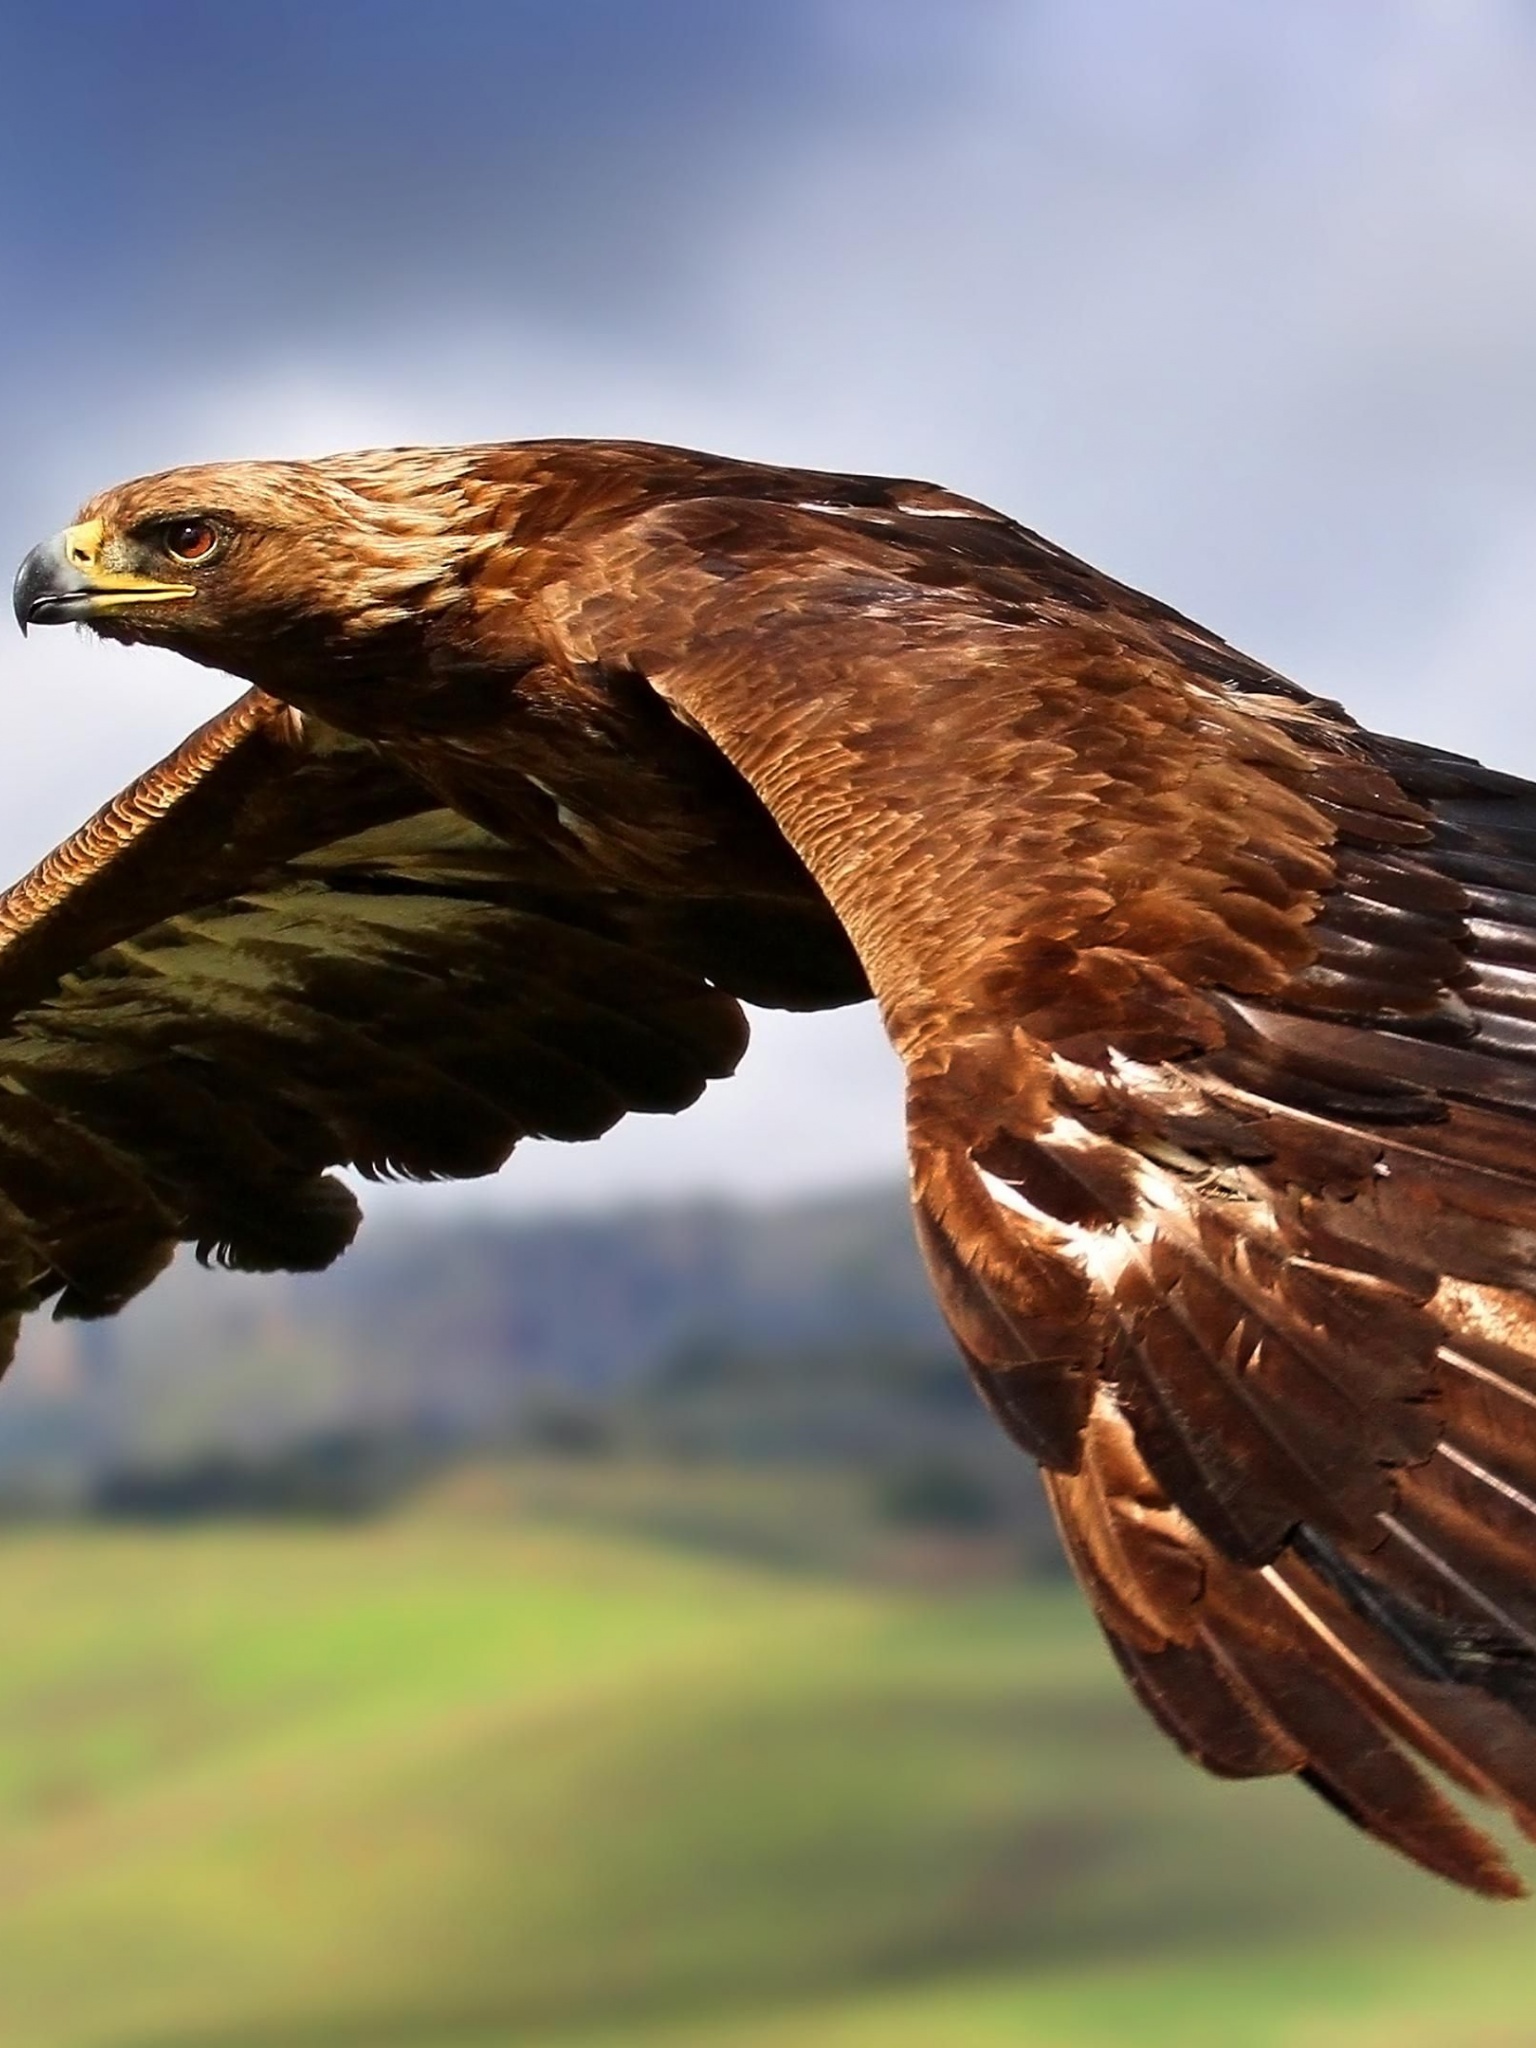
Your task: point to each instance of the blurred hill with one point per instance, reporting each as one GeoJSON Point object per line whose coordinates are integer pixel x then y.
{"type": "Point", "coordinates": [721, 1652]}
{"type": "Point", "coordinates": [705, 1334]}
{"type": "Point", "coordinates": [464, 1779]}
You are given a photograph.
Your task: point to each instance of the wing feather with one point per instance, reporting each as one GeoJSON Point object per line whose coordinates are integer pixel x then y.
{"type": "Point", "coordinates": [277, 954]}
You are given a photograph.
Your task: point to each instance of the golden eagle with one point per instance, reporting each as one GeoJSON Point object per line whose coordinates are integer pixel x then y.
{"type": "Point", "coordinates": [1218, 1012]}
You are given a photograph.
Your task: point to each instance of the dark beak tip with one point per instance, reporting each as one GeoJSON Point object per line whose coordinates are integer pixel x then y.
{"type": "Point", "coordinates": [40, 581]}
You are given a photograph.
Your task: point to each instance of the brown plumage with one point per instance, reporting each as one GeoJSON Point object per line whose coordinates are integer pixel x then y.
{"type": "Point", "coordinates": [1218, 1012]}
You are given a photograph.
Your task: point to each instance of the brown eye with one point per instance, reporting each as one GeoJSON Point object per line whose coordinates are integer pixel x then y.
{"type": "Point", "coordinates": [190, 540]}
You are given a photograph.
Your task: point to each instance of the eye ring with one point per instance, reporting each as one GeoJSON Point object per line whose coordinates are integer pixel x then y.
{"type": "Point", "coordinates": [190, 540]}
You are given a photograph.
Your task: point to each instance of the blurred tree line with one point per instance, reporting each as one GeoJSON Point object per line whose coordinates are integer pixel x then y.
{"type": "Point", "coordinates": [768, 1379]}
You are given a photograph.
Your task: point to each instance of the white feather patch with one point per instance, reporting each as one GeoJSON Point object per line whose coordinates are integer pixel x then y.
{"type": "Point", "coordinates": [942, 512]}
{"type": "Point", "coordinates": [1104, 1254]}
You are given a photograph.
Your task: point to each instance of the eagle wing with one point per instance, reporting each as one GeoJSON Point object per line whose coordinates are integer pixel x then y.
{"type": "Point", "coordinates": [1219, 1016]}
{"type": "Point", "coordinates": [274, 954]}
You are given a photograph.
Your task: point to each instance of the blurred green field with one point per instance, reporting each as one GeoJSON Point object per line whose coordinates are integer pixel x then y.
{"type": "Point", "coordinates": [476, 1777]}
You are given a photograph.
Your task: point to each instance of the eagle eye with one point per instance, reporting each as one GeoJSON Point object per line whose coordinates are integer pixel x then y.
{"type": "Point", "coordinates": [190, 540]}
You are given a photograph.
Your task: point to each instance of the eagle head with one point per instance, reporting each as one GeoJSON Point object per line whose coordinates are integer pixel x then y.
{"type": "Point", "coordinates": [259, 568]}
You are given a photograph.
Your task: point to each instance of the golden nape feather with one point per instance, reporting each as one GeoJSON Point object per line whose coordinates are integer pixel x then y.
{"type": "Point", "coordinates": [1219, 1012]}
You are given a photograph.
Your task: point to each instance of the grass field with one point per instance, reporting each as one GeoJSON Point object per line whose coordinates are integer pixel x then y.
{"type": "Point", "coordinates": [468, 1780]}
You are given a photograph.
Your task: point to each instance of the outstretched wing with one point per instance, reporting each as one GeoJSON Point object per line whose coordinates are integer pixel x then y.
{"type": "Point", "coordinates": [276, 954]}
{"type": "Point", "coordinates": [1306, 1501]}
{"type": "Point", "coordinates": [1220, 1023]}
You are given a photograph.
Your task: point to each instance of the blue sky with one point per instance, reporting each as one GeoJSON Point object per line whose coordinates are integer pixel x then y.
{"type": "Point", "coordinates": [1239, 302]}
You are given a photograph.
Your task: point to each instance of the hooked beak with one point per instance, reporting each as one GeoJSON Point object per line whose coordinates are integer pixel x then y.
{"type": "Point", "coordinates": [63, 581]}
